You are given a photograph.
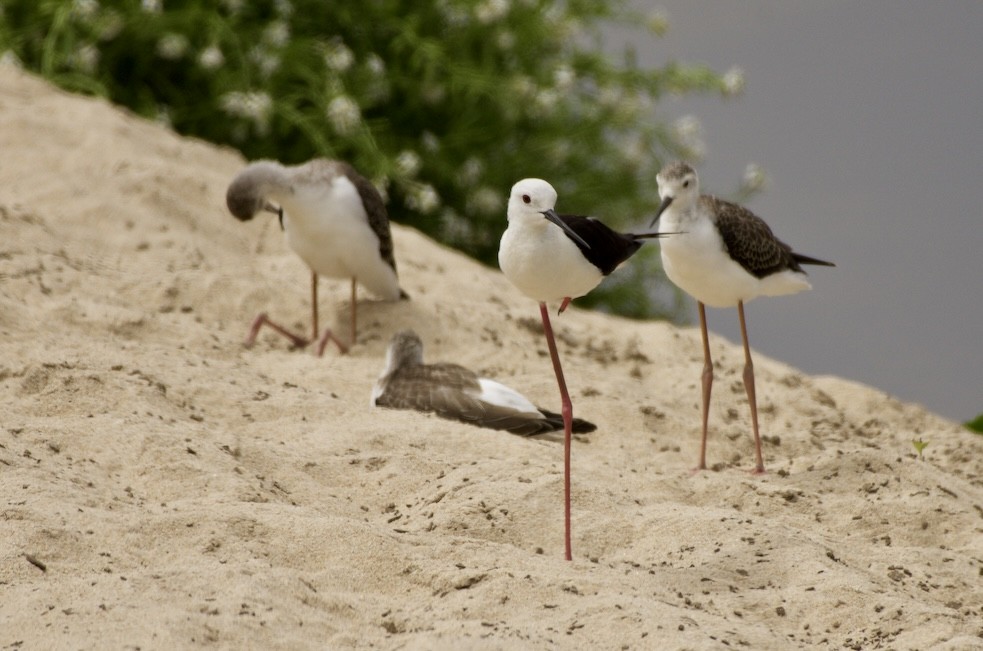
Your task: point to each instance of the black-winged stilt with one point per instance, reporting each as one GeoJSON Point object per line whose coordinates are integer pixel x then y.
{"type": "Point", "coordinates": [551, 257]}
{"type": "Point", "coordinates": [723, 256]}
{"type": "Point", "coordinates": [455, 392]}
{"type": "Point", "coordinates": [334, 219]}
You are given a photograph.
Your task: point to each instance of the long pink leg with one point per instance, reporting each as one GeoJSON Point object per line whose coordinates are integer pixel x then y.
{"type": "Point", "coordinates": [567, 411]}
{"type": "Point", "coordinates": [261, 320]}
{"type": "Point", "coordinates": [759, 468]}
{"type": "Point", "coordinates": [707, 379]}
{"type": "Point", "coordinates": [315, 329]}
{"type": "Point", "coordinates": [330, 336]}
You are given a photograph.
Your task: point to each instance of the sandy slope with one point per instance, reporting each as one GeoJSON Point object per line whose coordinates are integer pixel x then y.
{"type": "Point", "coordinates": [182, 491]}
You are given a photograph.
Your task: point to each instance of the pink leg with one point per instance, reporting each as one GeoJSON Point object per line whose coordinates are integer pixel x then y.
{"type": "Point", "coordinates": [330, 336]}
{"type": "Point", "coordinates": [759, 468]}
{"type": "Point", "coordinates": [707, 379]}
{"type": "Point", "coordinates": [567, 411]}
{"type": "Point", "coordinates": [564, 304]}
{"type": "Point", "coordinates": [314, 330]}
{"type": "Point", "coordinates": [261, 320]}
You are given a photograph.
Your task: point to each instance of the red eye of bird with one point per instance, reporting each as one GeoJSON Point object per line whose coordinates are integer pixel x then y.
{"type": "Point", "coordinates": [526, 199]}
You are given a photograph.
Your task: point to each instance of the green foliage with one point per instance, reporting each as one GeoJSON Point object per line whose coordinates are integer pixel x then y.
{"type": "Point", "coordinates": [976, 425]}
{"type": "Point", "coordinates": [443, 103]}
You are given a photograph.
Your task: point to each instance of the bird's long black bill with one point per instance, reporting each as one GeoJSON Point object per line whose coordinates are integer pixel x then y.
{"type": "Point", "coordinates": [555, 218]}
{"type": "Point", "coordinates": [662, 208]}
{"type": "Point", "coordinates": [652, 236]}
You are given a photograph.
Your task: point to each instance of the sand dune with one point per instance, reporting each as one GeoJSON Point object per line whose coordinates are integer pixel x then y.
{"type": "Point", "coordinates": [181, 491]}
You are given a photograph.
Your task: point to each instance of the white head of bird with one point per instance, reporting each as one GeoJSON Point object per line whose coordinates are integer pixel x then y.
{"type": "Point", "coordinates": [679, 187]}
{"type": "Point", "coordinates": [531, 201]}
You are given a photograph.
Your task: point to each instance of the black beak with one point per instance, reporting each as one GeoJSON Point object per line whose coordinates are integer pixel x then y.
{"type": "Point", "coordinates": [276, 211]}
{"type": "Point", "coordinates": [662, 208]}
{"type": "Point", "coordinates": [553, 217]}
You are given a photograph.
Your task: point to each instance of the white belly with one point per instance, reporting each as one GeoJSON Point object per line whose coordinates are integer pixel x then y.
{"type": "Point", "coordinates": [697, 263]}
{"type": "Point", "coordinates": [328, 228]}
{"type": "Point", "coordinates": [544, 264]}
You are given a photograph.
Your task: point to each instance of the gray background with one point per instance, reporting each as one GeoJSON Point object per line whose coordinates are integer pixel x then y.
{"type": "Point", "coordinates": [866, 117]}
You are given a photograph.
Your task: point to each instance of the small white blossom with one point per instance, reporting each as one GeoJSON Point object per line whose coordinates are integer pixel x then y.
{"type": "Point", "coordinates": [522, 87]}
{"type": "Point", "coordinates": [733, 81]}
{"type": "Point", "coordinates": [152, 6]}
{"type": "Point", "coordinates": [433, 93]}
{"type": "Point", "coordinates": [277, 33]}
{"type": "Point", "coordinates": [429, 142]}
{"type": "Point", "coordinates": [8, 58]}
{"type": "Point", "coordinates": [689, 133]}
{"type": "Point", "coordinates": [266, 61]}
{"type": "Point", "coordinates": [485, 200]}
{"type": "Point", "coordinates": [85, 8]}
{"type": "Point", "coordinates": [86, 58]}
{"type": "Point", "coordinates": [344, 114]}
{"type": "Point", "coordinates": [559, 151]}
{"type": "Point", "coordinates": [211, 57]}
{"type": "Point", "coordinates": [172, 46]}
{"type": "Point", "coordinates": [375, 64]}
{"type": "Point", "coordinates": [254, 106]}
{"type": "Point", "coordinates": [338, 57]}
{"type": "Point", "coordinates": [163, 116]}
{"type": "Point", "coordinates": [234, 6]}
{"type": "Point", "coordinates": [754, 177]}
{"type": "Point", "coordinates": [408, 163]}
{"type": "Point", "coordinates": [505, 40]}
{"type": "Point", "coordinates": [490, 11]}
{"type": "Point", "coordinates": [564, 77]}
{"type": "Point", "coordinates": [111, 25]}
{"type": "Point", "coordinates": [470, 172]}
{"type": "Point", "coordinates": [423, 198]}
{"type": "Point", "coordinates": [657, 21]}
{"type": "Point", "coordinates": [284, 7]}
{"type": "Point", "coordinates": [545, 102]}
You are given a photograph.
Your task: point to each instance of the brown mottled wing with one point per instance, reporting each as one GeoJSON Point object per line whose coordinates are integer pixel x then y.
{"type": "Point", "coordinates": [451, 391]}
{"type": "Point", "coordinates": [749, 240]}
{"type": "Point", "coordinates": [375, 208]}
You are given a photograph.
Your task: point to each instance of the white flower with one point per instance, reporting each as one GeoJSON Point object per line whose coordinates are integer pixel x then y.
{"type": "Point", "coordinates": [470, 171]}
{"type": "Point", "coordinates": [284, 7]}
{"type": "Point", "coordinates": [85, 8]}
{"type": "Point", "coordinates": [338, 57]}
{"type": "Point", "coordinates": [505, 40]}
{"type": "Point", "coordinates": [522, 87]}
{"type": "Point", "coordinates": [689, 133]}
{"type": "Point", "coordinates": [564, 77]}
{"type": "Point", "coordinates": [375, 64]}
{"type": "Point", "coordinates": [86, 58]}
{"type": "Point", "coordinates": [433, 93]}
{"type": "Point", "coordinates": [491, 10]}
{"type": "Point", "coordinates": [733, 81]}
{"type": "Point", "coordinates": [211, 57]}
{"type": "Point", "coordinates": [754, 177]}
{"type": "Point", "coordinates": [8, 58]}
{"type": "Point", "coordinates": [344, 114]}
{"type": "Point", "coordinates": [163, 116]}
{"type": "Point", "coordinates": [152, 6]}
{"type": "Point", "coordinates": [423, 198]}
{"type": "Point", "coordinates": [485, 200]}
{"type": "Point", "coordinates": [172, 46]}
{"type": "Point", "coordinates": [429, 142]}
{"type": "Point", "coordinates": [277, 33]}
{"type": "Point", "coordinates": [657, 21]}
{"type": "Point", "coordinates": [234, 6]}
{"type": "Point", "coordinates": [455, 227]}
{"type": "Point", "coordinates": [266, 61]}
{"type": "Point", "coordinates": [408, 163]}
{"type": "Point", "coordinates": [254, 106]}
{"type": "Point", "coordinates": [545, 101]}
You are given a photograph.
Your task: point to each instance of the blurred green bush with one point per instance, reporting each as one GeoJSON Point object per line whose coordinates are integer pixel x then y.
{"type": "Point", "coordinates": [443, 103]}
